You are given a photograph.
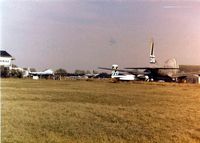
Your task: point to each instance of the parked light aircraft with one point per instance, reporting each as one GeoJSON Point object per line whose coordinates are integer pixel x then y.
{"type": "Point", "coordinates": [47, 72]}
{"type": "Point", "coordinates": [117, 75]}
{"type": "Point", "coordinates": [132, 75]}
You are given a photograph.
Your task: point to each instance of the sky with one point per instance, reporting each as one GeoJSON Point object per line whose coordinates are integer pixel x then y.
{"type": "Point", "coordinates": [86, 34]}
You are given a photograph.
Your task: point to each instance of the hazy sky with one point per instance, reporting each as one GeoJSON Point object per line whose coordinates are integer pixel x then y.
{"type": "Point", "coordinates": [85, 34]}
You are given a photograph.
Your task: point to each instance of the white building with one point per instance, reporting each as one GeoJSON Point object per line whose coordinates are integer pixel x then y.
{"type": "Point", "coordinates": [5, 59]}
{"type": "Point", "coordinates": [6, 62]}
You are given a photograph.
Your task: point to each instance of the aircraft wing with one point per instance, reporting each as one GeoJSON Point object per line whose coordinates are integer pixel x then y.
{"type": "Point", "coordinates": [127, 71]}
{"type": "Point", "coordinates": [113, 69]}
{"type": "Point", "coordinates": [151, 68]}
{"type": "Point", "coordinates": [184, 75]}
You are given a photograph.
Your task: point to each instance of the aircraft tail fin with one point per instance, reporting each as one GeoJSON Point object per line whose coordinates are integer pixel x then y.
{"type": "Point", "coordinates": [152, 58]}
{"type": "Point", "coordinates": [115, 71]}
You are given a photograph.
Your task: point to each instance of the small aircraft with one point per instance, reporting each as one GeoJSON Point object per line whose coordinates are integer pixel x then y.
{"type": "Point", "coordinates": [45, 73]}
{"type": "Point", "coordinates": [118, 76]}
{"type": "Point", "coordinates": [129, 76]}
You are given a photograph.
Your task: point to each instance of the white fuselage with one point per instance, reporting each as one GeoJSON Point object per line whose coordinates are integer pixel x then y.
{"type": "Point", "coordinates": [47, 72]}
{"type": "Point", "coordinates": [124, 77]}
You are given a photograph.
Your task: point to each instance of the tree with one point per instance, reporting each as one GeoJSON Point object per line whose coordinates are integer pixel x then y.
{"type": "Point", "coordinates": [95, 72]}
{"type": "Point", "coordinates": [61, 72]}
{"type": "Point", "coordinates": [32, 69]}
{"type": "Point", "coordinates": [14, 66]}
{"type": "Point", "coordinates": [87, 72]}
{"type": "Point", "coordinates": [79, 72]}
{"type": "Point", "coordinates": [16, 73]}
{"type": "Point", "coordinates": [4, 71]}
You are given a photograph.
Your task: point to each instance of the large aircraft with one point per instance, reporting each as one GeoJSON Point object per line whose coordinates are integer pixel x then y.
{"type": "Point", "coordinates": [153, 72]}
{"type": "Point", "coordinates": [171, 71]}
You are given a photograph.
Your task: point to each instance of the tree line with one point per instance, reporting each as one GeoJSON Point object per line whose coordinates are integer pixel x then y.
{"type": "Point", "coordinates": [6, 72]}
{"type": "Point", "coordinates": [63, 72]}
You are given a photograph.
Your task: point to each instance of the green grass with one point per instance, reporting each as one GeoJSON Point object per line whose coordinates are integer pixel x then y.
{"type": "Point", "coordinates": [47, 111]}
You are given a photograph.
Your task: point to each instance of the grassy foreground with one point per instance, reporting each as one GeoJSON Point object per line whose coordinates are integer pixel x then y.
{"type": "Point", "coordinates": [47, 111]}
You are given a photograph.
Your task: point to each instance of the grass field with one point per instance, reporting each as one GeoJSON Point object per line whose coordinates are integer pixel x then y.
{"type": "Point", "coordinates": [47, 111]}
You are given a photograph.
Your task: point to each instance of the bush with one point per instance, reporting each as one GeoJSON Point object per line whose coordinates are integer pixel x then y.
{"type": "Point", "coordinates": [4, 71]}
{"type": "Point", "coordinates": [16, 73]}
{"type": "Point", "coordinates": [61, 72]}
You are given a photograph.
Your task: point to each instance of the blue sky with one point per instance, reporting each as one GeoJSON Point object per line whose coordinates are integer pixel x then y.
{"type": "Point", "coordinates": [85, 34]}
